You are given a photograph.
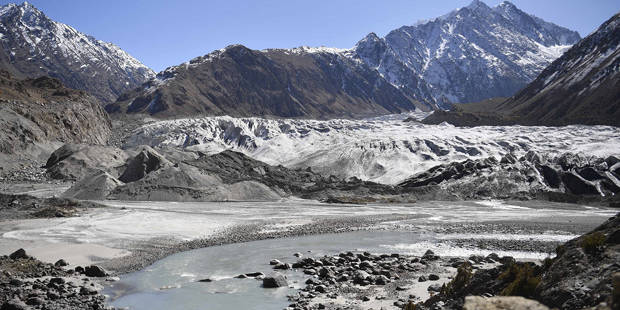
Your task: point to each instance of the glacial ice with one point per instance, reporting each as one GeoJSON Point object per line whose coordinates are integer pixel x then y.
{"type": "Point", "coordinates": [385, 150]}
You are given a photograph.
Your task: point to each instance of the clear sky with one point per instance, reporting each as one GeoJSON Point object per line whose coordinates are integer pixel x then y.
{"type": "Point", "coordinates": [162, 33]}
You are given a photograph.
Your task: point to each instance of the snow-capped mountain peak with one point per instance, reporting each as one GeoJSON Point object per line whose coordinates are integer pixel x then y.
{"type": "Point", "coordinates": [470, 54]}
{"type": "Point", "coordinates": [35, 45]}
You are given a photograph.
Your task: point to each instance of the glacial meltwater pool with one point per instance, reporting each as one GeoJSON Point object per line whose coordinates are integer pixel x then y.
{"type": "Point", "coordinates": [172, 283]}
{"type": "Point", "coordinates": [447, 228]}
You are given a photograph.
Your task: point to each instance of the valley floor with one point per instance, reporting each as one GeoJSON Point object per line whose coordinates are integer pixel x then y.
{"type": "Point", "coordinates": [129, 236]}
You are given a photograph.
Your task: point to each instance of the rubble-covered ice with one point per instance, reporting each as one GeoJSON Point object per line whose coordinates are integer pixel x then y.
{"type": "Point", "coordinates": [385, 150]}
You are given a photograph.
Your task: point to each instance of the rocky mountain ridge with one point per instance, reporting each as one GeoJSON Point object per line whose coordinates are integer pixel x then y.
{"type": "Point", "coordinates": [33, 45]}
{"type": "Point", "coordinates": [38, 115]}
{"type": "Point", "coordinates": [470, 54]}
{"type": "Point", "coordinates": [238, 81]}
{"type": "Point", "coordinates": [581, 87]}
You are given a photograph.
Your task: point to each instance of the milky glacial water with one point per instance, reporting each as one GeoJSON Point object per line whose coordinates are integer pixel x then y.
{"type": "Point", "coordinates": [172, 283]}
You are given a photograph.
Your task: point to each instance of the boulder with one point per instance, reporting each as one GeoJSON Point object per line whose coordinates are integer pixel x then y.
{"type": "Point", "coordinates": [35, 301]}
{"type": "Point", "coordinates": [274, 281]}
{"type": "Point", "coordinates": [590, 174]}
{"type": "Point", "coordinates": [578, 186]}
{"type": "Point", "coordinates": [148, 160]}
{"type": "Point", "coordinates": [76, 161]}
{"type": "Point", "coordinates": [95, 271]}
{"type": "Point", "coordinates": [19, 254]}
{"type": "Point", "coordinates": [434, 288]}
{"type": "Point", "coordinates": [61, 263]}
{"type": "Point", "coordinates": [552, 177]}
{"type": "Point", "coordinates": [14, 304]}
{"type": "Point", "coordinates": [501, 303]}
{"type": "Point", "coordinates": [95, 186]}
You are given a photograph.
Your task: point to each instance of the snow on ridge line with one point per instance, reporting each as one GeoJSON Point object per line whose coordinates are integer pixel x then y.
{"type": "Point", "coordinates": [381, 150]}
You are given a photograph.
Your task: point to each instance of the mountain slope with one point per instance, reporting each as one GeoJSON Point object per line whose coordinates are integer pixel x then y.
{"type": "Point", "coordinates": [238, 81]}
{"type": "Point", "coordinates": [38, 115]}
{"type": "Point", "coordinates": [468, 55]}
{"type": "Point", "coordinates": [33, 45]}
{"type": "Point", "coordinates": [581, 87]}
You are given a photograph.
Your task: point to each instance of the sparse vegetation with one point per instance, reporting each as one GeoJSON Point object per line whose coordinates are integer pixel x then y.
{"type": "Point", "coordinates": [410, 306]}
{"type": "Point", "coordinates": [522, 280]}
{"type": "Point", "coordinates": [592, 242]}
{"type": "Point", "coordinates": [547, 262]}
{"type": "Point", "coordinates": [463, 275]}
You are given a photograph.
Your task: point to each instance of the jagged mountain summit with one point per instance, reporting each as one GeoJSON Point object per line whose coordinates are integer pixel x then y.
{"type": "Point", "coordinates": [473, 53]}
{"type": "Point", "coordinates": [33, 45]}
{"type": "Point", "coordinates": [468, 55]}
{"type": "Point", "coordinates": [581, 87]}
{"type": "Point", "coordinates": [237, 81]}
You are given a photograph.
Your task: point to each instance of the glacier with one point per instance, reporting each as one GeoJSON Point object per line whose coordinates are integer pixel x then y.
{"type": "Point", "coordinates": [385, 150]}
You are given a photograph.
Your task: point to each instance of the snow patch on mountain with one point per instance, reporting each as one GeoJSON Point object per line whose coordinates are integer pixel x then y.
{"type": "Point", "coordinates": [385, 150]}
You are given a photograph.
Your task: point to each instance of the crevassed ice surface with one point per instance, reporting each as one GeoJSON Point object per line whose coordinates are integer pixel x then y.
{"type": "Point", "coordinates": [385, 150]}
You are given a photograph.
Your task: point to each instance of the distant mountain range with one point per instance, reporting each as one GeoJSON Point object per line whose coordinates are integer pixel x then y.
{"type": "Point", "coordinates": [470, 54]}
{"type": "Point", "coordinates": [33, 45]}
{"type": "Point", "coordinates": [237, 81]}
{"type": "Point", "coordinates": [581, 87]}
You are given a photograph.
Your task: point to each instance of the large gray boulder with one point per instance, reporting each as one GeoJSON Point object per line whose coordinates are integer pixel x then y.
{"type": "Point", "coordinates": [502, 303]}
{"type": "Point", "coordinates": [145, 162]}
{"type": "Point", "coordinates": [76, 161]}
{"type": "Point", "coordinates": [274, 281]}
{"type": "Point", "coordinates": [96, 186]}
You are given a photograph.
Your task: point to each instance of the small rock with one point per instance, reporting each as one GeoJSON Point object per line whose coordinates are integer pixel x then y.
{"type": "Point", "coordinates": [16, 282]}
{"type": "Point", "coordinates": [297, 254]}
{"type": "Point", "coordinates": [274, 262]}
{"type": "Point", "coordinates": [284, 266]}
{"type": "Point", "coordinates": [85, 290]}
{"type": "Point", "coordinates": [434, 288]}
{"type": "Point", "coordinates": [275, 281]}
{"type": "Point", "coordinates": [61, 263]}
{"type": "Point", "coordinates": [422, 279]}
{"type": "Point", "coordinates": [433, 277]}
{"type": "Point", "coordinates": [205, 280]}
{"type": "Point", "coordinates": [35, 301]}
{"type": "Point", "coordinates": [254, 274]}
{"type": "Point", "coordinates": [95, 271]}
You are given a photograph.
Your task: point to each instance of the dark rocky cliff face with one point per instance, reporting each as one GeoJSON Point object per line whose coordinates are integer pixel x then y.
{"type": "Point", "coordinates": [33, 45]}
{"type": "Point", "coordinates": [238, 81]}
{"type": "Point", "coordinates": [42, 110]}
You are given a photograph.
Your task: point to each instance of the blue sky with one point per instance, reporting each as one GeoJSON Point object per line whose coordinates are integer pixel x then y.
{"type": "Point", "coordinates": [163, 33]}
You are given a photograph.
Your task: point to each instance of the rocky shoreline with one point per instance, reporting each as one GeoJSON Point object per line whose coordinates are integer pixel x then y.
{"type": "Point", "coordinates": [27, 283]}
{"type": "Point", "coordinates": [403, 276]}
